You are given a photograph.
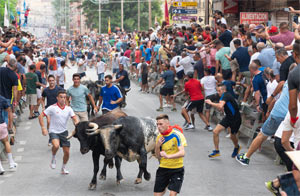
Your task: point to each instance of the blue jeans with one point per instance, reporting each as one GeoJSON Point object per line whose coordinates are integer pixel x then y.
{"type": "Point", "coordinates": [5, 113]}
{"type": "Point", "coordinates": [288, 184]}
{"type": "Point", "coordinates": [101, 76]}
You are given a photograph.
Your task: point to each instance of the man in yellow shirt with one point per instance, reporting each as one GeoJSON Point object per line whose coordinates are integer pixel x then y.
{"type": "Point", "coordinates": [169, 150]}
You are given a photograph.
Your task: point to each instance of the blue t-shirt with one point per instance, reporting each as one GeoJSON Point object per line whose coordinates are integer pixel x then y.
{"type": "Point", "coordinates": [156, 49]}
{"type": "Point", "coordinates": [168, 76]}
{"type": "Point", "coordinates": [50, 95]}
{"type": "Point", "coordinates": [110, 94]}
{"type": "Point", "coordinates": [281, 108]}
{"type": "Point", "coordinates": [148, 55]}
{"type": "Point", "coordinates": [243, 58]}
{"type": "Point", "coordinates": [3, 106]}
{"type": "Point", "coordinates": [16, 49]}
{"type": "Point", "coordinates": [78, 95]}
{"type": "Point", "coordinates": [267, 57]}
{"type": "Point", "coordinates": [259, 84]}
{"type": "Point", "coordinates": [229, 84]}
{"type": "Point", "coordinates": [142, 50]}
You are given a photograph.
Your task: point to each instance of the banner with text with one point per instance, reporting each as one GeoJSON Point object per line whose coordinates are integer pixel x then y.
{"type": "Point", "coordinates": [253, 17]}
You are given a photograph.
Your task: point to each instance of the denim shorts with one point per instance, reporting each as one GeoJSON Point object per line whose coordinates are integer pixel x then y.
{"type": "Point", "coordinates": [271, 125]}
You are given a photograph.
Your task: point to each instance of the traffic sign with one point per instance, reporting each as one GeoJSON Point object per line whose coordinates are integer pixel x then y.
{"type": "Point", "coordinates": [184, 11]}
{"type": "Point", "coordinates": [185, 4]}
{"type": "Point", "coordinates": [183, 18]}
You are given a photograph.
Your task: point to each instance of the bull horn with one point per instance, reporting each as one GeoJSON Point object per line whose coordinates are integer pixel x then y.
{"type": "Point", "coordinates": [118, 126]}
{"type": "Point", "coordinates": [94, 132]}
{"type": "Point", "coordinates": [71, 135]}
{"type": "Point", "coordinates": [93, 125]}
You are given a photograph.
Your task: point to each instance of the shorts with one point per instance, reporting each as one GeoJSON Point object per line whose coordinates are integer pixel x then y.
{"type": "Point", "coordinates": [171, 178]}
{"type": "Point", "coordinates": [82, 74]}
{"type": "Point", "coordinates": [227, 74]}
{"type": "Point", "coordinates": [52, 72]}
{"type": "Point", "coordinates": [115, 70]}
{"type": "Point", "coordinates": [145, 78]}
{"type": "Point", "coordinates": [82, 116]}
{"type": "Point", "coordinates": [213, 70]}
{"type": "Point", "coordinates": [195, 104]}
{"type": "Point", "coordinates": [247, 76]}
{"type": "Point", "coordinates": [3, 131]}
{"type": "Point", "coordinates": [63, 142]}
{"type": "Point", "coordinates": [271, 125]}
{"type": "Point", "coordinates": [234, 124]}
{"type": "Point", "coordinates": [234, 65]}
{"type": "Point", "coordinates": [214, 98]}
{"type": "Point", "coordinates": [31, 99]}
{"type": "Point", "coordinates": [101, 77]}
{"type": "Point", "coordinates": [62, 86]}
{"type": "Point", "coordinates": [166, 91]}
{"type": "Point", "coordinates": [39, 93]}
{"type": "Point", "coordinates": [194, 111]}
{"type": "Point", "coordinates": [180, 74]}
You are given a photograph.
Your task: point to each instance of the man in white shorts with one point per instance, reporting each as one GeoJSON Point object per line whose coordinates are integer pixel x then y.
{"type": "Point", "coordinates": [59, 114]}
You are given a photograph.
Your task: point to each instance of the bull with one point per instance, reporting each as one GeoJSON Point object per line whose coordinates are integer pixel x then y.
{"type": "Point", "coordinates": [130, 138]}
{"type": "Point", "coordinates": [95, 144]}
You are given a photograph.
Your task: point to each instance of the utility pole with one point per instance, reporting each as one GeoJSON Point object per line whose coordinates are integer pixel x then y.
{"type": "Point", "coordinates": [206, 21]}
{"type": "Point", "coordinates": [139, 15]}
{"type": "Point", "coordinates": [99, 17]}
{"type": "Point", "coordinates": [122, 15]}
{"type": "Point", "coordinates": [149, 8]}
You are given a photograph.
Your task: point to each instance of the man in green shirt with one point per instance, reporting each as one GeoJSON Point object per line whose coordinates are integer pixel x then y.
{"type": "Point", "coordinates": [31, 84]}
{"type": "Point", "coordinates": [222, 63]}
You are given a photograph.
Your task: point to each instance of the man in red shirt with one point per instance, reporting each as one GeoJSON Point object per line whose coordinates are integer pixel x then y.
{"type": "Point", "coordinates": [194, 89]}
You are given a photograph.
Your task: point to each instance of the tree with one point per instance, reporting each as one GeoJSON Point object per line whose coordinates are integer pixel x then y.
{"type": "Point", "coordinates": [113, 10]}
{"type": "Point", "coordinates": [12, 4]}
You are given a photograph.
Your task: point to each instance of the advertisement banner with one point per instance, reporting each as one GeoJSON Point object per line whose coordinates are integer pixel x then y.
{"type": "Point", "coordinates": [253, 17]}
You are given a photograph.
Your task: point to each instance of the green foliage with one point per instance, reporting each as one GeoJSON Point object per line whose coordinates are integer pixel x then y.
{"type": "Point", "coordinates": [12, 4]}
{"type": "Point", "coordinates": [113, 10]}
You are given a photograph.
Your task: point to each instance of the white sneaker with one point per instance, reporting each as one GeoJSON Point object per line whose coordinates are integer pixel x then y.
{"type": "Point", "coordinates": [245, 104]}
{"type": "Point", "coordinates": [53, 164]}
{"type": "Point", "coordinates": [2, 171]}
{"type": "Point", "coordinates": [228, 135]}
{"type": "Point", "coordinates": [64, 171]}
{"type": "Point", "coordinates": [13, 166]}
{"type": "Point", "coordinates": [190, 126]}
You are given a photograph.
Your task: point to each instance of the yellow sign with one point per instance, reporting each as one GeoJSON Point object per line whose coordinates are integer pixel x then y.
{"type": "Point", "coordinates": [185, 4]}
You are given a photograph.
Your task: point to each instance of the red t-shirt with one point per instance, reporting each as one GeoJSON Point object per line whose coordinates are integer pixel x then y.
{"type": "Point", "coordinates": [193, 87]}
{"type": "Point", "coordinates": [206, 36]}
{"type": "Point", "coordinates": [127, 53]}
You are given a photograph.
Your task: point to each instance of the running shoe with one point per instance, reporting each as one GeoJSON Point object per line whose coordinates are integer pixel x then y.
{"type": "Point", "coordinates": [160, 109]}
{"type": "Point", "coordinates": [13, 166]}
{"type": "Point", "coordinates": [64, 171]}
{"type": "Point", "coordinates": [209, 128]}
{"type": "Point", "coordinates": [215, 153]}
{"type": "Point", "coordinates": [272, 189]}
{"type": "Point", "coordinates": [2, 171]}
{"type": "Point", "coordinates": [228, 135]}
{"type": "Point", "coordinates": [242, 159]}
{"type": "Point", "coordinates": [189, 126]}
{"type": "Point", "coordinates": [236, 151]}
{"type": "Point", "coordinates": [53, 164]}
{"type": "Point", "coordinates": [185, 124]}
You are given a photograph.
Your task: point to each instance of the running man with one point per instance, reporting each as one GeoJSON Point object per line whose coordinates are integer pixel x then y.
{"type": "Point", "coordinates": [169, 150]}
{"type": "Point", "coordinates": [59, 114]}
{"type": "Point", "coordinates": [232, 120]}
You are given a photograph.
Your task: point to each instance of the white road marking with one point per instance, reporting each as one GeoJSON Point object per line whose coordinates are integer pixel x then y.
{"type": "Point", "coordinates": [23, 142]}
{"type": "Point", "coordinates": [26, 128]}
{"type": "Point", "coordinates": [18, 158]}
{"type": "Point", "coordinates": [20, 150]}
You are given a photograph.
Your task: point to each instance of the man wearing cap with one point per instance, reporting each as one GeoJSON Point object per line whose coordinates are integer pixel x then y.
{"type": "Point", "coordinates": [273, 31]}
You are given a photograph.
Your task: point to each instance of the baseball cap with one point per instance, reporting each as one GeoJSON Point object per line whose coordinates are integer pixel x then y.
{"type": "Point", "coordinates": [273, 29]}
{"type": "Point", "coordinates": [190, 74]}
{"type": "Point", "coordinates": [198, 44]}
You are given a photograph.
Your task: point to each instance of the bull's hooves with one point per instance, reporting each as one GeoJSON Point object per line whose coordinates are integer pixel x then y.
{"type": "Point", "coordinates": [92, 186]}
{"type": "Point", "coordinates": [102, 177]}
{"type": "Point", "coordinates": [119, 181]}
{"type": "Point", "coordinates": [147, 176]}
{"type": "Point", "coordinates": [138, 181]}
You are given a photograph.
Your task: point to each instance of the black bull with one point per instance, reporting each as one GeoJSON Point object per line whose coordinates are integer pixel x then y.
{"type": "Point", "coordinates": [95, 144]}
{"type": "Point", "coordinates": [130, 138]}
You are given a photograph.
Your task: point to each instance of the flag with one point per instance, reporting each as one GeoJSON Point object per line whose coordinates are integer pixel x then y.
{"type": "Point", "coordinates": [167, 13]}
{"type": "Point", "coordinates": [6, 17]}
{"type": "Point", "coordinates": [109, 29]}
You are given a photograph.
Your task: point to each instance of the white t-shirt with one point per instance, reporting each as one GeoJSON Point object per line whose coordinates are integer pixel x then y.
{"type": "Point", "coordinates": [271, 86]}
{"type": "Point", "coordinates": [173, 63]}
{"type": "Point", "coordinates": [81, 68]}
{"type": "Point", "coordinates": [100, 67]}
{"type": "Point", "coordinates": [254, 57]}
{"type": "Point", "coordinates": [58, 117]}
{"type": "Point", "coordinates": [61, 74]}
{"type": "Point", "coordinates": [28, 62]}
{"type": "Point", "coordinates": [209, 83]}
{"type": "Point", "coordinates": [186, 63]}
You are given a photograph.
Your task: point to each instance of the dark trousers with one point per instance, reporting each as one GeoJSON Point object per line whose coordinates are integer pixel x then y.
{"type": "Point", "coordinates": [281, 152]}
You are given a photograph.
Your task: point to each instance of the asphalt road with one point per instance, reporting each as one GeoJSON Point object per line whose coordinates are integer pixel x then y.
{"type": "Point", "coordinates": [221, 176]}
